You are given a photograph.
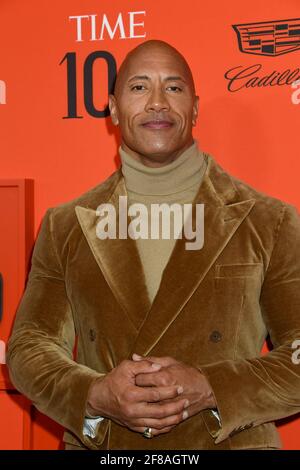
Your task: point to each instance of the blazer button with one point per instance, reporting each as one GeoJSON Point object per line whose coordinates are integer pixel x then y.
{"type": "Point", "coordinates": [92, 335]}
{"type": "Point", "coordinates": [215, 336]}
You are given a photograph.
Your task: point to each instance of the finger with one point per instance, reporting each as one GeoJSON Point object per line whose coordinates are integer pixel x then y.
{"type": "Point", "coordinates": [137, 357]}
{"type": "Point", "coordinates": [160, 424]}
{"type": "Point", "coordinates": [156, 394]}
{"type": "Point", "coordinates": [151, 379]}
{"type": "Point", "coordinates": [159, 410]}
{"type": "Point", "coordinates": [144, 367]}
{"type": "Point", "coordinates": [154, 432]}
{"type": "Point", "coordinates": [164, 361]}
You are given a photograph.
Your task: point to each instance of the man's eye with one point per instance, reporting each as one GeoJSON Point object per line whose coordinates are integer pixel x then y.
{"type": "Point", "coordinates": [175, 88]}
{"type": "Point", "coordinates": [138, 87]}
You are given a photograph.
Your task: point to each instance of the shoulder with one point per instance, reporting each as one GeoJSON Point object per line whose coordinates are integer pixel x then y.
{"type": "Point", "coordinates": [266, 205]}
{"type": "Point", "coordinates": [244, 190]}
{"type": "Point", "coordinates": [267, 213]}
{"type": "Point", "coordinates": [89, 199]}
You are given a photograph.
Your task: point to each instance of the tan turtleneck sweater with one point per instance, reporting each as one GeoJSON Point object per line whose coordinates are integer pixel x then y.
{"type": "Point", "coordinates": [176, 182]}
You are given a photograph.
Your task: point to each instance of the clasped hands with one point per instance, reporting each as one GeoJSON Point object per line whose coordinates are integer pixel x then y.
{"type": "Point", "coordinates": [154, 392]}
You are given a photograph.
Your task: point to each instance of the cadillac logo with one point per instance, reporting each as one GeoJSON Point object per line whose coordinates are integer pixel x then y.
{"type": "Point", "coordinates": [270, 38]}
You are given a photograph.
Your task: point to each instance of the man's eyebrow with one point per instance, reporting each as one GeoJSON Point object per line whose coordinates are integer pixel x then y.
{"type": "Point", "coordinates": [175, 77]}
{"type": "Point", "coordinates": [145, 77]}
{"type": "Point", "coordinates": [139, 77]}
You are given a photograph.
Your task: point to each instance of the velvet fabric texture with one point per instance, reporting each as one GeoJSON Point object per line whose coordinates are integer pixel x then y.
{"type": "Point", "coordinates": [213, 310]}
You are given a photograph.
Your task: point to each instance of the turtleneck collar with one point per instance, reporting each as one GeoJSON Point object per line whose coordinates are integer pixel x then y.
{"type": "Point", "coordinates": [175, 177]}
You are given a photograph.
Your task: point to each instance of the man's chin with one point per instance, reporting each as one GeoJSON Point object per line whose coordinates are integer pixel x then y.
{"type": "Point", "coordinates": [155, 150]}
{"type": "Point", "coordinates": [158, 147]}
{"type": "Point", "coordinates": [158, 153]}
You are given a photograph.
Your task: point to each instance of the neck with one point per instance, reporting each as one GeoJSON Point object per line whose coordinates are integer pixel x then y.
{"type": "Point", "coordinates": [179, 175]}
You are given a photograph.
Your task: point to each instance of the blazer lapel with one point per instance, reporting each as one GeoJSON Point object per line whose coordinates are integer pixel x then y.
{"type": "Point", "coordinates": [118, 259]}
{"type": "Point", "coordinates": [186, 268]}
{"type": "Point", "coordinates": [120, 263]}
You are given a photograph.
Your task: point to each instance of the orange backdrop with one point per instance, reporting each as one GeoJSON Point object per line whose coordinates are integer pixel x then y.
{"type": "Point", "coordinates": [51, 51]}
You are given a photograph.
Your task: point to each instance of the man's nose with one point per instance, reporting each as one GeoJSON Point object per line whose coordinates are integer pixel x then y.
{"type": "Point", "coordinates": [157, 101]}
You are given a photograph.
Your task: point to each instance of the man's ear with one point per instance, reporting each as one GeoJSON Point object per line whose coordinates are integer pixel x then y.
{"type": "Point", "coordinates": [113, 108]}
{"type": "Point", "coordinates": [195, 110]}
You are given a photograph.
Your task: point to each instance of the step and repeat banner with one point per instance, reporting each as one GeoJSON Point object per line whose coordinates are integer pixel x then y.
{"type": "Point", "coordinates": [58, 61]}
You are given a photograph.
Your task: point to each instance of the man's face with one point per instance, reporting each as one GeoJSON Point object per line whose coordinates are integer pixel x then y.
{"type": "Point", "coordinates": [155, 105]}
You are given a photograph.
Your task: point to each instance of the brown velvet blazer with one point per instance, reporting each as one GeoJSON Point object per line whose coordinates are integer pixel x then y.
{"type": "Point", "coordinates": [213, 310]}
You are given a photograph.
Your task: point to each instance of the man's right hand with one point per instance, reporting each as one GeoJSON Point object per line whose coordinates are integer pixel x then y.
{"type": "Point", "coordinates": [117, 397]}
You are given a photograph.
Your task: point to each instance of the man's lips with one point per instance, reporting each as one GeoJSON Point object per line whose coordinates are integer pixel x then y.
{"type": "Point", "coordinates": [158, 124]}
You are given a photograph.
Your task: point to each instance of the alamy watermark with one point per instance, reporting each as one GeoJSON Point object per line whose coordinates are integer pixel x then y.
{"type": "Point", "coordinates": [161, 221]}
{"type": "Point", "coordinates": [296, 94]}
{"type": "Point", "coordinates": [296, 353]}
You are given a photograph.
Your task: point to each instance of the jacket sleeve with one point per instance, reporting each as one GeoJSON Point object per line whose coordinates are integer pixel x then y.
{"type": "Point", "coordinates": [253, 391]}
{"type": "Point", "coordinates": [40, 349]}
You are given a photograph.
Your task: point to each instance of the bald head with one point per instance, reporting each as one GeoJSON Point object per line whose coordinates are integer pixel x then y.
{"type": "Point", "coordinates": [151, 49]}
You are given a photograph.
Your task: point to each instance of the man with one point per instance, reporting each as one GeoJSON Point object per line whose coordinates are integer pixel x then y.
{"type": "Point", "coordinates": [169, 339]}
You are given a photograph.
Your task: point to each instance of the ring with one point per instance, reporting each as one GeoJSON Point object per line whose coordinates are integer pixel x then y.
{"type": "Point", "coordinates": [147, 433]}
